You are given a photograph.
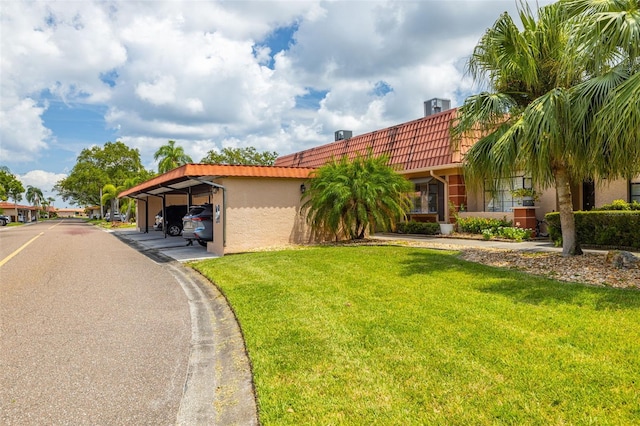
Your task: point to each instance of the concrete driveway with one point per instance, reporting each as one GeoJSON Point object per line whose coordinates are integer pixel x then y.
{"type": "Point", "coordinates": [160, 248]}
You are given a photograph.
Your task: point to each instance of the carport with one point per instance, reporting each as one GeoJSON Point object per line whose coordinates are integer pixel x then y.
{"type": "Point", "coordinates": [256, 206]}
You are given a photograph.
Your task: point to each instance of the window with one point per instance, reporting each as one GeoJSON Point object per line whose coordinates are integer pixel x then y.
{"type": "Point", "coordinates": [501, 199]}
{"type": "Point", "coordinates": [635, 192]}
{"type": "Point", "coordinates": [425, 198]}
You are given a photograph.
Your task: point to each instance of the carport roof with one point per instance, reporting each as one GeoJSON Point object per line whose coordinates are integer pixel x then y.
{"type": "Point", "coordinates": [191, 175]}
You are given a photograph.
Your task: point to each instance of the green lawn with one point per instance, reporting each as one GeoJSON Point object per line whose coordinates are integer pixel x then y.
{"type": "Point", "coordinates": [394, 336]}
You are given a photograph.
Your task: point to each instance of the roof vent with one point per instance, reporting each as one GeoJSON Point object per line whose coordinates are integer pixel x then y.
{"type": "Point", "coordinates": [342, 135]}
{"type": "Point", "coordinates": [436, 105]}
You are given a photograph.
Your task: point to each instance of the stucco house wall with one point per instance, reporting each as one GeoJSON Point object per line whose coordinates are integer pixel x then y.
{"type": "Point", "coordinates": [609, 190]}
{"type": "Point", "coordinates": [263, 213]}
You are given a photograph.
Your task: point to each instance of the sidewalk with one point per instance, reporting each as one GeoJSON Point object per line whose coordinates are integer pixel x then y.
{"type": "Point", "coordinates": [452, 243]}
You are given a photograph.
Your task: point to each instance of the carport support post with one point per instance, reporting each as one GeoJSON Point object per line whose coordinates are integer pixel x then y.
{"type": "Point", "coordinates": [164, 215]}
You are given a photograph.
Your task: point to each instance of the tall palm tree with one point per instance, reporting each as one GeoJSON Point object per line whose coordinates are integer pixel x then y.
{"type": "Point", "coordinates": [50, 201]}
{"type": "Point", "coordinates": [530, 121]}
{"type": "Point", "coordinates": [110, 194]}
{"type": "Point", "coordinates": [171, 156]}
{"type": "Point", "coordinates": [609, 103]}
{"type": "Point", "coordinates": [34, 196]}
{"type": "Point", "coordinates": [350, 197]}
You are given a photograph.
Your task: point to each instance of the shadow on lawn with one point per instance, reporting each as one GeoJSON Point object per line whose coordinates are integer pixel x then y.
{"type": "Point", "coordinates": [518, 286]}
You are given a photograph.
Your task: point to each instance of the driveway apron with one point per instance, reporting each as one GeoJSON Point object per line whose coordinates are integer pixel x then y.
{"type": "Point", "coordinates": [91, 331]}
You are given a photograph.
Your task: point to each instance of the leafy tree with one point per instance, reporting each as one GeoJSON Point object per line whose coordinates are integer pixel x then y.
{"type": "Point", "coordinates": [97, 166]}
{"type": "Point", "coordinates": [34, 196]}
{"type": "Point", "coordinates": [348, 197]}
{"type": "Point", "coordinates": [539, 116]}
{"type": "Point", "coordinates": [246, 156]}
{"type": "Point", "coordinates": [171, 156]}
{"type": "Point", "coordinates": [10, 186]}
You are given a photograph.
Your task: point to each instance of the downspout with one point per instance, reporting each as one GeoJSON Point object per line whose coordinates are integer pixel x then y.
{"type": "Point", "coordinates": [446, 193]}
{"type": "Point", "coordinates": [224, 206]}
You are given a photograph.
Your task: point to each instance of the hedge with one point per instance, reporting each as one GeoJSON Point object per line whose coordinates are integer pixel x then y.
{"type": "Point", "coordinates": [413, 227]}
{"type": "Point", "coordinates": [615, 228]}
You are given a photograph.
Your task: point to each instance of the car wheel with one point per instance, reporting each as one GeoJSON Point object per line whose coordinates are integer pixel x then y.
{"type": "Point", "coordinates": [173, 230]}
{"type": "Point", "coordinates": [3, 222]}
{"type": "Point", "coordinates": [202, 243]}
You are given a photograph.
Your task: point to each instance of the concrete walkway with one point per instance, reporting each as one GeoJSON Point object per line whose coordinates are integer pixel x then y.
{"type": "Point", "coordinates": [453, 243]}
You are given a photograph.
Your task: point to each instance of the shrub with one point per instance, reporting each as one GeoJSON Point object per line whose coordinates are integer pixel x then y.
{"type": "Point", "coordinates": [413, 227]}
{"type": "Point", "coordinates": [620, 205]}
{"type": "Point", "coordinates": [476, 225]}
{"type": "Point", "coordinates": [601, 228]}
{"type": "Point", "coordinates": [513, 233]}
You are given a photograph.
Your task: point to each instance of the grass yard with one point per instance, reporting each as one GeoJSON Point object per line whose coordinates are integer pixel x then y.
{"type": "Point", "coordinates": [396, 335]}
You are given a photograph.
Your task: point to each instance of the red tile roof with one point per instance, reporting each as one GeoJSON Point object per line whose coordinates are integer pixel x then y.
{"type": "Point", "coordinates": [9, 205]}
{"type": "Point", "coordinates": [418, 144]}
{"type": "Point", "coordinates": [183, 173]}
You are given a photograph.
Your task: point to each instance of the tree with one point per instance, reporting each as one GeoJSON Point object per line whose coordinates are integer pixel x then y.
{"type": "Point", "coordinates": [110, 195]}
{"type": "Point", "coordinates": [534, 119]}
{"type": "Point", "coordinates": [97, 166]}
{"type": "Point", "coordinates": [10, 186]}
{"type": "Point", "coordinates": [246, 156]}
{"type": "Point", "coordinates": [171, 156]}
{"type": "Point", "coordinates": [350, 197]}
{"type": "Point", "coordinates": [34, 196]}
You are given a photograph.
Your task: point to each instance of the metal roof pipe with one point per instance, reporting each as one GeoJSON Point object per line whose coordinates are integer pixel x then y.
{"type": "Point", "coordinates": [224, 207]}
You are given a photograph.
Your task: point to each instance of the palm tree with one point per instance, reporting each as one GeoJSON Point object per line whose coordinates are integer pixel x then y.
{"type": "Point", "coordinates": [34, 196]}
{"type": "Point", "coordinates": [50, 201]}
{"type": "Point", "coordinates": [609, 102]}
{"type": "Point", "coordinates": [350, 197]}
{"type": "Point", "coordinates": [170, 157]}
{"type": "Point", "coordinates": [531, 122]}
{"type": "Point", "coordinates": [110, 194]}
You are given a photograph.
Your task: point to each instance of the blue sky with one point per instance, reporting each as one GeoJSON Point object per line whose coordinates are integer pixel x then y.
{"type": "Point", "coordinates": [279, 76]}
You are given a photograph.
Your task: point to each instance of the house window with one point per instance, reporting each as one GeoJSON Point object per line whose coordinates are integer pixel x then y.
{"type": "Point", "coordinates": [635, 192]}
{"type": "Point", "coordinates": [501, 199]}
{"type": "Point", "coordinates": [425, 198]}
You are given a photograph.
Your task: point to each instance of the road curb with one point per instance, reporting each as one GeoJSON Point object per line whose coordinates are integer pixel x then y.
{"type": "Point", "coordinates": [218, 388]}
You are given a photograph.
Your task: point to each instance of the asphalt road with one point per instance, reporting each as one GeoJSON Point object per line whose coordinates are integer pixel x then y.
{"type": "Point", "coordinates": [91, 331]}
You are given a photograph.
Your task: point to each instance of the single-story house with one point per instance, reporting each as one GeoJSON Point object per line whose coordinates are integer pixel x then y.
{"type": "Point", "coordinates": [260, 206]}
{"type": "Point", "coordinates": [421, 150]}
{"type": "Point", "coordinates": [94, 212]}
{"type": "Point", "coordinates": [18, 212]}
{"type": "Point", "coordinates": [70, 212]}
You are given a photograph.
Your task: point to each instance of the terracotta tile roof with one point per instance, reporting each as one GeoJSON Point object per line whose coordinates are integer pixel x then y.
{"type": "Point", "coordinates": [9, 205]}
{"type": "Point", "coordinates": [418, 144]}
{"type": "Point", "coordinates": [184, 173]}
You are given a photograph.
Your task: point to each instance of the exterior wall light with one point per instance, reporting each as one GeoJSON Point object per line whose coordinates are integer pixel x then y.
{"type": "Point", "coordinates": [302, 188]}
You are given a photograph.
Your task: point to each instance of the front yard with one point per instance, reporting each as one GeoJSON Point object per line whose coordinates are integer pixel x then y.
{"type": "Point", "coordinates": [400, 335]}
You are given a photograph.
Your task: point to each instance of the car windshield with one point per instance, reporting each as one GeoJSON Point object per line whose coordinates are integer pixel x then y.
{"type": "Point", "coordinates": [195, 211]}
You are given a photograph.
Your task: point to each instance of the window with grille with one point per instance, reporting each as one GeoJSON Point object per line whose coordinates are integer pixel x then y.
{"type": "Point", "coordinates": [501, 200]}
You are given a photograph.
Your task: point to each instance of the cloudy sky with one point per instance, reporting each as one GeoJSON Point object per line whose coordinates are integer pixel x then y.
{"type": "Point", "coordinates": [277, 75]}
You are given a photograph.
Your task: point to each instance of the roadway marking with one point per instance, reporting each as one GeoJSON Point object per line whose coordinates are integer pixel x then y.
{"type": "Point", "coordinates": [6, 259]}
{"type": "Point", "coordinates": [53, 226]}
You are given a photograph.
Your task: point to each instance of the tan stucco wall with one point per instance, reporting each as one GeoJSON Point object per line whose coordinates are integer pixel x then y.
{"type": "Point", "coordinates": [263, 213]}
{"type": "Point", "coordinates": [609, 190]}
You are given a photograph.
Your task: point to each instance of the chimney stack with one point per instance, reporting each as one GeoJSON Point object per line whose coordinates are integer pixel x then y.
{"type": "Point", "coordinates": [436, 105]}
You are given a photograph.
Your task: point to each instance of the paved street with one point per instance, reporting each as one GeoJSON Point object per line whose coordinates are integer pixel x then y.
{"type": "Point", "coordinates": [94, 332]}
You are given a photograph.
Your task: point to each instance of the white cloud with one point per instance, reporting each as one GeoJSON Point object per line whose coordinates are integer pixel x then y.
{"type": "Point", "coordinates": [21, 130]}
{"type": "Point", "coordinates": [41, 179]}
{"type": "Point", "coordinates": [197, 72]}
